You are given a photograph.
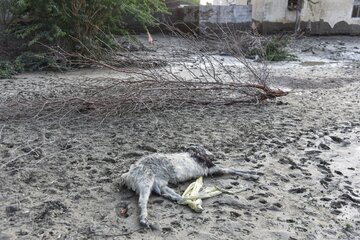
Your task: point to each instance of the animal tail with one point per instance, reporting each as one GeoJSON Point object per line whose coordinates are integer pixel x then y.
{"type": "Point", "coordinates": [123, 180]}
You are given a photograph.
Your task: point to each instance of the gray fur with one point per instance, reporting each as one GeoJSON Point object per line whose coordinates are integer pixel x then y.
{"type": "Point", "coordinates": [152, 173]}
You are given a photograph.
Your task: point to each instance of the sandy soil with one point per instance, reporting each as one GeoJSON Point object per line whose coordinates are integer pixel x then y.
{"type": "Point", "coordinates": [58, 175]}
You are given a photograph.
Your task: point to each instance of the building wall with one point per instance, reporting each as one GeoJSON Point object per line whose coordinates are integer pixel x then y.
{"type": "Point", "coordinates": [272, 11]}
{"type": "Point", "coordinates": [225, 17]}
{"type": "Point", "coordinates": [225, 14]}
{"type": "Point", "coordinates": [224, 2]}
{"type": "Point", "coordinates": [320, 16]}
{"type": "Point", "coordinates": [331, 11]}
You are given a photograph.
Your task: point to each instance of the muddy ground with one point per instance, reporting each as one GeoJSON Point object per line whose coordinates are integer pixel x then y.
{"type": "Point", "coordinates": [58, 174]}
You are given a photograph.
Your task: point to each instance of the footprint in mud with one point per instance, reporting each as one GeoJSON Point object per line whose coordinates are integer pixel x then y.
{"type": "Point", "coordinates": [49, 210]}
{"type": "Point", "coordinates": [297, 190]}
{"type": "Point", "coordinates": [37, 153]}
{"type": "Point", "coordinates": [259, 195]}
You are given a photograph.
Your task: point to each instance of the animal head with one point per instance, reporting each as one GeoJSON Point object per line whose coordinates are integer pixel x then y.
{"type": "Point", "coordinates": [201, 155]}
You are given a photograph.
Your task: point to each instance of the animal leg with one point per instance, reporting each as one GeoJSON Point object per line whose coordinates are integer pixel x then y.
{"type": "Point", "coordinates": [170, 193]}
{"type": "Point", "coordinates": [144, 194]}
{"type": "Point", "coordinates": [247, 175]}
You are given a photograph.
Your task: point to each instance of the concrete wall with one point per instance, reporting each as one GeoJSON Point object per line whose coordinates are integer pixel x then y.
{"type": "Point", "coordinates": [224, 2]}
{"type": "Point", "coordinates": [233, 16]}
{"type": "Point", "coordinates": [273, 16]}
{"type": "Point", "coordinates": [331, 17]}
{"type": "Point", "coordinates": [225, 14]}
{"type": "Point", "coordinates": [272, 11]}
{"type": "Point", "coordinates": [321, 16]}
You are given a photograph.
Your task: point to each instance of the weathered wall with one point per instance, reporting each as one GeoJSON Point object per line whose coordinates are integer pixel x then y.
{"type": "Point", "coordinates": [272, 11]}
{"type": "Point", "coordinates": [322, 16]}
{"type": "Point", "coordinates": [225, 14]}
{"type": "Point", "coordinates": [331, 17]}
{"type": "Point", "coordinates": [224, 2]}
{"type": "Point", "coordinates": [186, 18]}
{"type": "Point", "coordinates": [234, 16]}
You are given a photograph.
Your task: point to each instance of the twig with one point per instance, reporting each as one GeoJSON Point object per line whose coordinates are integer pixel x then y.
{"type": "Point", "coordinates": [1, 130]}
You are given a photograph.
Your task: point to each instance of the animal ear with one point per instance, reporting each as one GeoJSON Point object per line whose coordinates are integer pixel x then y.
{"type": "Point", "coordinates": [193, 147]}
{"type": "Point", "coordinates": [200, 154]}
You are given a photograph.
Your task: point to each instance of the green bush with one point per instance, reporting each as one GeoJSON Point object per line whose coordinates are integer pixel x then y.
{"type": "Point", "coordinates": [275, 49]}
{"type": "Point", "coordinates": [31, 62]}
{"type": "Point", "coordinates": [8, 69]}
{"type": "Point", "coordinates": [81, 25]}
{"type": "Point", "coordinates": [6, 8]}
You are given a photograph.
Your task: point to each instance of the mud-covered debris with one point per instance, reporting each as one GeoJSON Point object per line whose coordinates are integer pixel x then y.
{"type": "Point", "coordinates": [336, 139]}
{"type": "Point", "coordinates": [146, 147]}
{"type": "Point", "coordinates": [313, 152]}
{"type": "Point", "coordinates": [338, 172]}
{"type": "Point", "coordinates": [109, 160]}
{"type": "Point", "coordinates": [297, 190]}
{"type": "Point", "coordinates": [351, 198]}
{"type": "Point", "coordinates": [337, 204]}
{"type": "Point", "coordinates": [323, 146]}
{"type": "Point", "coordinates": [133, 154]}
{"type": "Point", "coordinates": [11, 210]}
{"type": "Point", "coordinates": [37, 153]}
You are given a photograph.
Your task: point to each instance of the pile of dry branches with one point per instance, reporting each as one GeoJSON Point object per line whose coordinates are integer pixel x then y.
{"type": "Point", "coordinates": [193, 70]}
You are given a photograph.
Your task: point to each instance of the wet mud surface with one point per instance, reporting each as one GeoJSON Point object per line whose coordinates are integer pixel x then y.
{"type": "Point", "coordinates": [58, 177]}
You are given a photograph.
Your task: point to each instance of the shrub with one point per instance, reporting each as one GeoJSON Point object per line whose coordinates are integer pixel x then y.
{"type": "Point", "coordinates": [275, 49]}
{"type": "Point", "coordinates": [8, 69]}
{"type": "Point", "coordinates": [31, 62]}
{"type": "Point", "coordinates": [81, 25]}
{"type": "Point", "coordinates": [6, 8]}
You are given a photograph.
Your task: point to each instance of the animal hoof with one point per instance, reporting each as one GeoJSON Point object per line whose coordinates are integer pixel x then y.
{"type": "Point", "coordinates": [251, 178]}
{"type": "Point", "coordinates": [145, 223]}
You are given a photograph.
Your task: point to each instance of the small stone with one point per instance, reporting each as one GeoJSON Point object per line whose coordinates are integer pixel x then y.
{"type": "Point", "coordinates": [22, 233]}
{"type": "Point", "coordinates": [297, 190]}
{"type": "Point", "coordinates": [338, 172]}
{"type": "Point", "coordinates": [147, 148]}
{"type": "Point", "coordinates": [336, 212]}
{"type": "Point", "coordinates": [277, 205]}
{"type": "Point", "coordinates": [262, 201]}
{"type": "Point", "coordinates": [176, 223]}
{"type": "Point", "coordinates": [337, 204]}
{"type": "Point", "coordinates": [281, 103]}
{"type": "Point", "coordinates": [313, 152]}
{"type": "Point", "coordinates": [324, 183]}
{"type": "Point", "coordinates": [109, 160]}
{"type": "Point", "coordinates": [65, 146]}
{"type": "Point", "coordinates": [324, 146]}
{"type": "Point", "coordinates": [158, 201]}
{"type": "Point", "coordinates": [325, 199]}
{"type": "Point", "coordinates": [250, 198]}
{"type": "Point", "coordinates": [336, 139]}
{"type": "Point", "coordinates": [235, 183]}
{"type": "Point", "coordinates": [132, 154]}
{"type": "Point", "coordinates": [11, 210]}
{"type": "Point", "coordinates": [235, 214]}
